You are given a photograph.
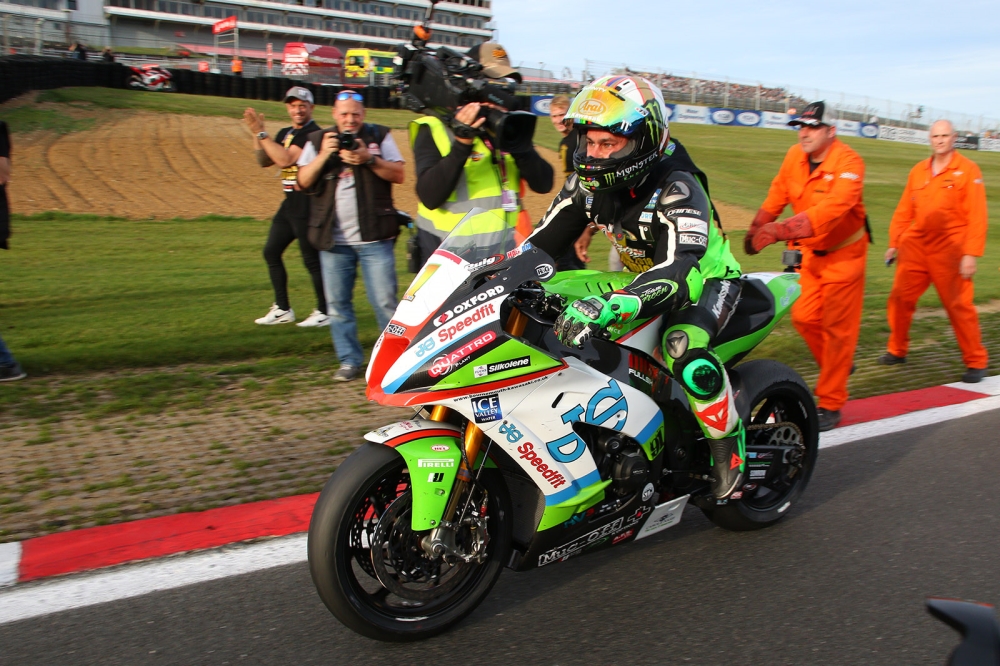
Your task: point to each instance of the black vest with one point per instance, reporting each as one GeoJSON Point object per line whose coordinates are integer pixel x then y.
{"type": "Point", "coordinates": [376, 212]}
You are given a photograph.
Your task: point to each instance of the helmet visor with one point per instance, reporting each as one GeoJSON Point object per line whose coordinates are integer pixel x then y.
{"type": "Point", "coordinates": [598, 106]}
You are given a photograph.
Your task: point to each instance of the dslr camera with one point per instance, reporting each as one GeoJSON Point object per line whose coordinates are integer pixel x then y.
{"type": "Point", "coordinates": [439, 81]}
{"type": "Point", "coordinates": [348, 141]}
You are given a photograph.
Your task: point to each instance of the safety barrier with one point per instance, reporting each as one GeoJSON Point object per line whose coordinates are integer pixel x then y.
{"type": "Point", "coordinates": [21, 73]}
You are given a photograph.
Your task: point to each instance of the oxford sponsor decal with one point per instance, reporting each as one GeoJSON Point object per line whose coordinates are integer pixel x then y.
{"type": "Point", "coordinates": [479, 314]}
{"type": "Point", "coordinates": [550, 474]}
{"type": "Point", "coordinates": [445, 363]}
{"type": "Point", "coordinates": [472, 302]}
{"type": "Point", "coordinates": [493, 368]}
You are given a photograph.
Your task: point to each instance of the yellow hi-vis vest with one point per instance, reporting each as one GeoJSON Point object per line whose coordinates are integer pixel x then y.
{"type": "Point", "coordinates": [479, 186]}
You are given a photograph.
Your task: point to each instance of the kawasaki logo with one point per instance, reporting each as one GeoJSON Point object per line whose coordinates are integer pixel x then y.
{"type": "Point", "coordinates": [469, 303]}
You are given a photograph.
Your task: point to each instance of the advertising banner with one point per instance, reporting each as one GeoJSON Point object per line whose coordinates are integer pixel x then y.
{"type": "Point", "coordinates": [734, 117]}
{"type": "Point", "coordinates": [967, 142]}
{"type": "Point", "coordinates": [869, 130]}
{"type": "Point", "coordinates": [685, 113]}
{"type": "Point", "coordinates": [992, 145]}
{"type": "Point", "coordinates": [903, 134]}
{"type": "Point", "coordinates": [774, 120]}
{"type": "Point", "coordinates": [848, 128]}
{"type": "Point", "coordinates": [225, 25]}
{"type": "Point", "coordinates": [540, 104]}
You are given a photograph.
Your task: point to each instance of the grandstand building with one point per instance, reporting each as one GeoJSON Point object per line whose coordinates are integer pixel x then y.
{"type": "Point", "coordinates": [187, 24]}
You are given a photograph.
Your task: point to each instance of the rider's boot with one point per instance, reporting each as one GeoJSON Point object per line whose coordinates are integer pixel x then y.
{"type": "Point", "coordinates": [728, 462]}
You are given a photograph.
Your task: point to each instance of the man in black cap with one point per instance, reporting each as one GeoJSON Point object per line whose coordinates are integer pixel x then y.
{"type": "Point", "coordinates": [822, 179]}
{"type": "Point", "coordinates": [292, 219]}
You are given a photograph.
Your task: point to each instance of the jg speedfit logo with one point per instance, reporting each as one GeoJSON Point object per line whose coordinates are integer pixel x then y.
{"type": "Point", "coordinates": [480, 313]}
{"type": "Point", "coordinates": [486, 408]}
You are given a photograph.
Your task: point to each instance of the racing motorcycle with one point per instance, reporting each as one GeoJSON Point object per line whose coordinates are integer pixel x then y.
{"type": "Point", "coordinates": [152, 78]}
{"type": "Point", "coordinates": [523, 452]}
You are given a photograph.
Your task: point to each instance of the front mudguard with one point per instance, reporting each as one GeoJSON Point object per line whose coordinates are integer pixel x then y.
{"type": "Point", "coordinates": [432, 451]}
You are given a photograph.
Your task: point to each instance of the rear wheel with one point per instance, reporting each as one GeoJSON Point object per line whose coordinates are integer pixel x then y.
{"type": "Point", "coordinates": [782, 446]}
{"type": "Point", "coordinates": [369, 567]}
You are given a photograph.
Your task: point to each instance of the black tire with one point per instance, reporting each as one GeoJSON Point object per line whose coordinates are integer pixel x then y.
{"type": "Point", "coordinates": [168, 86]}
{"type": "Point", "coordinates": [345, 575]}
{"type": "Point", "coordinates": [135, 82]}
{"type": "Point", "coordinates": [772, 388]}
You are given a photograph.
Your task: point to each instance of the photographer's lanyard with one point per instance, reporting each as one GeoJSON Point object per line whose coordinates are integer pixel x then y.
{"type": "Point", "coordinates": [508, 196]}
{"type": "Point", "coordinates": [289, 175]}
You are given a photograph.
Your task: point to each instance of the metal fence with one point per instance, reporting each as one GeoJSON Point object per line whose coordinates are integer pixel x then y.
{"type": "Point", "coordinates": [689, 88]}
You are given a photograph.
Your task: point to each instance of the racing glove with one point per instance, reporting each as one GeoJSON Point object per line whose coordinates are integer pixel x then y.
{"type": "Point", "coordinates": [760, 219]}
{"type": "Point", "coordinates": [797, 226]}
{"type": "Point", "coordinates": [582, 319]}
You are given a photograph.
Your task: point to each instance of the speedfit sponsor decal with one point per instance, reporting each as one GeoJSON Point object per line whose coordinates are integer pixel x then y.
{"type": "Point", "coordinates": [527, 451]}
{"type": "Point", "coordinates": [480, 313]}
{"type": "Point", "coordinates": [445, 363]}
{"type": "Point", "coordinates": [493, 368]}
{"type": "Point", "coordinates": [465, 305]}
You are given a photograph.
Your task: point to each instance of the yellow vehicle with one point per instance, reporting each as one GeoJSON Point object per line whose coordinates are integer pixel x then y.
{"type": "Point", "coordinates": [360, 64]}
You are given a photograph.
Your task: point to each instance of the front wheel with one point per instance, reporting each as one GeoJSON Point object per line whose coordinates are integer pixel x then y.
{"type": "Point", "coordinates": [136, 83]}
{"type": "Point", "coordinates": [782, 446]}
{"type": "Point", "coordinates": [369, 566]}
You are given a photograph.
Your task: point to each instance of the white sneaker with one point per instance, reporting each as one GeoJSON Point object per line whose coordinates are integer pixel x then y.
{"type": "Point", "coordinates": [276, 316]}
{"type": "Point", "coordinates": [317, 318]}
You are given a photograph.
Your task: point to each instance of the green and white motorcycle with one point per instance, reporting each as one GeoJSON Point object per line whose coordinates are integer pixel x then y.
{"type": "Point", "coordinates": [524, 452]}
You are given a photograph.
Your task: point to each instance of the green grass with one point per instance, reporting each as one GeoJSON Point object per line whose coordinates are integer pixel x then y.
{"type": "Point", "coordinates": [32, 119]}
{"type": "Point", "coordinates": [111, 98]}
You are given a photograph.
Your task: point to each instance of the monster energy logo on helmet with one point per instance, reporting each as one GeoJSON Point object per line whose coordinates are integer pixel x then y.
{"type": "Point", "coordinates": [628, 106]}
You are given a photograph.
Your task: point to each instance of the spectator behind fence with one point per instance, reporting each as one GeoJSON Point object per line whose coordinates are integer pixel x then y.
{"type": "Point", "coordinates": [937, 232]}
{"type": "Point", "coordinates": [107, 55]}
{"type": "Point", "coordinates": [349, 170]}
{"type": "Point", "coordinates": [78, 51]}
{"type": "Point", "coordinates": [292, 219]}
{"type": "Point", "coordinates": [822, 179]}
{"type": "Point", "coordinates": [458, 173]}
{"type": "Point", "coordinates": [10, 369]}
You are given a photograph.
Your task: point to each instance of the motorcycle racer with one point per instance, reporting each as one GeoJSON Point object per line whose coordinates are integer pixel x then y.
{"type": "Point", "coordinates": [643, 190]}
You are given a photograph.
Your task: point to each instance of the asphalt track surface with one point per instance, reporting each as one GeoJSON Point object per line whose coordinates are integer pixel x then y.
{"type": "Point", "coordinates": [842, 580]}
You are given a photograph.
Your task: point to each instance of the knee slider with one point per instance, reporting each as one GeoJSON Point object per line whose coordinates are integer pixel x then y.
{"type": "Point", "coordinates": [700, 373]}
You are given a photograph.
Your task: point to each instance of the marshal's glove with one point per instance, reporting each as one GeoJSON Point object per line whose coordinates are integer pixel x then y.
{"type": "Point", "coordinates": [759, 220]}
{"type": "Point", "coordinates": [587, 317]}
{"type": "Point", "coordinates": [795, 227]}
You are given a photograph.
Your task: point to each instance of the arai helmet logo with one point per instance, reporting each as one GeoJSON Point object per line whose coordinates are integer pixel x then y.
{"type": "Point", "coordinates": [592, 107]}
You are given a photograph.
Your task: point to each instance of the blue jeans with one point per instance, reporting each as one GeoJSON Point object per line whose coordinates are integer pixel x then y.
{"type": "Point", "coordinates": [340, 271]}
{"type": "Point", "coordinates": [6, 358]}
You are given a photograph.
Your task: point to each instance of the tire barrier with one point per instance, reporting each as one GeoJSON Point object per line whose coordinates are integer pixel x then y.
{"type": "Point", "coordinates": [23, 73]}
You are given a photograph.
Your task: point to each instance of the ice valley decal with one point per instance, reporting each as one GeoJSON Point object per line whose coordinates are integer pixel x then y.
{"type": "Point", "coordinates": [486, 408]}
{"type": "Point", "coordinates": [445, 363]}
{"type": "Point", "coordinates": [493, 368]}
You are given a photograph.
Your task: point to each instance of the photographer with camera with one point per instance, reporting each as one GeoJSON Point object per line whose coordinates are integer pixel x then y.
{"type": "Point", "coordinates": [349, 170]}
{"type": "Point", "coordinates": [474, 155]}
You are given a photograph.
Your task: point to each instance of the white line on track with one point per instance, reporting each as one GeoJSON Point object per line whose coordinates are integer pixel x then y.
{"type": "Point", "coordinates": [81, 590]}
{"type": "Point", "coordinates": [61, 594]}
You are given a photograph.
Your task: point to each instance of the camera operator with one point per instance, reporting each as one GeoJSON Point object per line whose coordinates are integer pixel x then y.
{"type": "Point", "coordinates": [349, 170]}
{"type": "Point", "coordinates": [459, 168]}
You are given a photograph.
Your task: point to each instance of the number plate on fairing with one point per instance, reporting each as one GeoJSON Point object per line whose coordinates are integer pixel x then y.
{"type": "Point", "coordinates": [664, 516]}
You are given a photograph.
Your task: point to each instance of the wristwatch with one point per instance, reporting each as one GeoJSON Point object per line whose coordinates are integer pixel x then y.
{"type": "Point", "coordinates": [261, 135]}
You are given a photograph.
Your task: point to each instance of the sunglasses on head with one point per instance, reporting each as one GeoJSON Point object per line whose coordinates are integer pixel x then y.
{"type": "Point", "coordinates": [350, 95]}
